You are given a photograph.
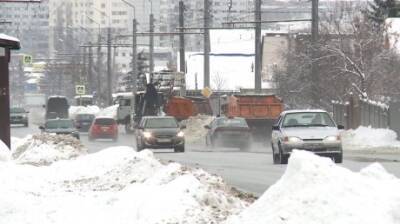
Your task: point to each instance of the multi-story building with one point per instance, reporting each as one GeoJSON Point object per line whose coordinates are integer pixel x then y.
{"type": "Point", "coordinates": [29, 23]}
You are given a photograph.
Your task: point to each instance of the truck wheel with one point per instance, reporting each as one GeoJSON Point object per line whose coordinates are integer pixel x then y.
{"type": "Point", "coordinates": [338, 158]}
{"type": "Point", "coordinates": [179, 149]}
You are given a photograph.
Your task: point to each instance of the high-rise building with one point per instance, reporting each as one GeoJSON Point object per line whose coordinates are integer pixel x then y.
{"type": "Point", "coordinates": [29, 23]}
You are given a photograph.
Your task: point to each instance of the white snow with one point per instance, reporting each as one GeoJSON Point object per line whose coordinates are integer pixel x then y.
{"type": "Point", "coordinates": [367, 138]}
{"type": "Point", "coordinates": [45, 149]}
{"type": "Point", "coordinates": [115, 185]}
{"type": "Point", "coordinates": [314, 190]}
{"type": "Point", "coordinates": [110, 111]}
{"type": "Point", "coordinates": [74, 110]}
{"type": "Point", "coordinates": [394, 32]}
{"type": "Point", "coordinates": [10, 38]}
{"type": "Point", "coordinates": [195, 131]}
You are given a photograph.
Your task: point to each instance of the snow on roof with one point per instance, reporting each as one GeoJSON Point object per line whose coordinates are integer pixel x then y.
{"type": "Point", "coordinates": [231, 61]}
{"type": "Point", "coordinates": [83, 96]}
{"type": "Point", "coordinates": [9, 41]}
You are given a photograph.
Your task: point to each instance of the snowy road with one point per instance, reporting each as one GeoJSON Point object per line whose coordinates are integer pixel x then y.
{"type": "Point", "coordinates": [251, 171]}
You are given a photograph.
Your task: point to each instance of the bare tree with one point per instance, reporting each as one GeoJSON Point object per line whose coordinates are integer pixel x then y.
{"type": "Point", "coordinates": [218, 81]}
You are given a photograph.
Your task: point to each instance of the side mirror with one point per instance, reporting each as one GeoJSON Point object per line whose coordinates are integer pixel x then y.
{"type": "Point", "coordinates": [41, 128]}
{"type": "Point", "coordinates": [340, 127]}
{"type": "Point", "coordinates": [183, 126]}
{"type": "Point", "coordinates": [207, 127]}
{"type": "Point", "coordinates": [275, 127]}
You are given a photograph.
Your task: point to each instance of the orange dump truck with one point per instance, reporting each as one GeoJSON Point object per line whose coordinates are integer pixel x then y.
{"type": "Point", "coordinates": [183, 107]}
{"type": "Point", "coordinates": [260, 112]}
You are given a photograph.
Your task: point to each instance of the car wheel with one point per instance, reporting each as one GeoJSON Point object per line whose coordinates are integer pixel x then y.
{"type": "Point", "coordinates": [338, 158]}
{"type": "Point", "coordinates": [179, 148]}
{"type": "Point", "coordinates": [245, 147]}
{"type": "Point", "coordinates": [26, 124]}
{"type": "Point", "coordinates": [138, 146]}
{"type": "Point", "coordinates": [283, 159]}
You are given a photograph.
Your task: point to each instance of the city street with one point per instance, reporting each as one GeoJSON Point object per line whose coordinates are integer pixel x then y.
{"type": "Point", "coordinates": [251, 171]}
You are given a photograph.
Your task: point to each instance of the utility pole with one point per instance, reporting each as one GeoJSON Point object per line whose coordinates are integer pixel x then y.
{"type": "Point", "coordinates": [151, 50]}
{"type": "Point", "coordinates": [206, 43]}
{"type": "Point", "coordinates": [90, 71]}
{"type": "Point", "coordinates": [314, 39]}
{"type": "Point", "coordinates": [98, 68]}
{"type": "Point", "coordinates": [182, 44]}
{"type": "Point", "coordinates": [109, 67]}
{"type": "Point", "coordinates": [257, 59]}
{"type": "Point", "coordinates": [134, 69]}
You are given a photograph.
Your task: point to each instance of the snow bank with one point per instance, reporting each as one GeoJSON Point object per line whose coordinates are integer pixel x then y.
{"type": "Point", "coordinates": [44, 149]}
{"type": "Point", "coordinates": [195, 131]}
{"type": "Point", "coordinates": [116, 185]}
{"type": "Point", "coordinates": [110, 111]}
{"type": "Point", "coordinates": [74, 110]}
{"type": "Point", "coordinates": [367, 138]}
{"type": "Point", "coordinates": [315, 190]}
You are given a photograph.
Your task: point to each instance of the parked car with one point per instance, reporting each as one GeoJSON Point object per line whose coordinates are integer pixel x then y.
{"type": "Point", "coordinates": [84, 121]}
{"type": "Point", "coordinates": [229, 132]}
{"type": "Point", "coordinates": [103, 127]}
{"type": "Point", "coordinates": [19, 116]}
{"type": "Point", "coordinates": [159, 133]}
{"type": "Point", "coordinates": [311, 130]}
{"type": "Point", "coordinates": [60, 127]}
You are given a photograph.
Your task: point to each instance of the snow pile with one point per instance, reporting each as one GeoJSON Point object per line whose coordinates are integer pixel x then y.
{"type": "Point", "coordinates": [367, 138]}
{"type": "Point", "coordinates": [195, 131]}
{"type": "Point", "coordinates": [74, 110]}
{"type": "Point", "coordinates": [44, 149]}
{"type": "Point", "coordinates": [116, 185]}
{"type": "Point", "coordinates": [315, 190]}
{"type": "Point", "coordinates": [110, 111]}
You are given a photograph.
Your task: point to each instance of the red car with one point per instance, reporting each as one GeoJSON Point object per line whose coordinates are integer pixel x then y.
{"type": "Point", "coordinates": [103, 127]}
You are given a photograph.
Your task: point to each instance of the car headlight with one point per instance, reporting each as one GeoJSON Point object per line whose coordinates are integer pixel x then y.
{"type": "Point", "coordinates": [332, 138]}
{"type": "Point", "coordinates": [293, 139]}
{"type": "Point", "coordinates": [147, 134]}
{"type": "Point", "coordinates": [180, 134]}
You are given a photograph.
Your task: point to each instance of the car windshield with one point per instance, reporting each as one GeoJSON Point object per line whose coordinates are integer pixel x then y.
{"type": "Point", "coordinates": [84, 117]}
{"type": "Point", "coordinates": [161, 123]}
{"type": "Point", "coordinates": [231, 122]}
{"type": "Point", "coordinates": [59, 124]}
{"type": "Point", "coordinates": [17, 110]}
{"type": "Point", "coordinates": [308, 119]}
{"type": "Point", "coordinates": [104, 121]}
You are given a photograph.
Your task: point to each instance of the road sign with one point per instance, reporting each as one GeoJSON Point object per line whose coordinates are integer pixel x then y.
{"type": "Point", "coordinates": [27, 59]}
{"type": "Point", "coordinates": [80, 90]}
{"type": "Point", "coordinates": [206, 92]}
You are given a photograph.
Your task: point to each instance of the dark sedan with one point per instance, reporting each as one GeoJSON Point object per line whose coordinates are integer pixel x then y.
{"type": "Point", "coordinates": [160, 133]}
{"type": "Point", "coordinates": [60, 127]}
{"type": "Point", "coordinates": [83, 121]}
{"type": "Point", "coordinates": [19, 116]}
{"type": "Point", "coordinates": [228, 132]}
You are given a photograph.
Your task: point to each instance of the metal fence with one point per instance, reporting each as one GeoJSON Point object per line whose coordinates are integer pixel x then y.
{"type": "Point", "coordinates": [357, 112]}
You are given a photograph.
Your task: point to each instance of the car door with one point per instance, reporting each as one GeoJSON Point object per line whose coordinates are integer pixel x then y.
{"type": "Point", "coordinates": [124, 108]}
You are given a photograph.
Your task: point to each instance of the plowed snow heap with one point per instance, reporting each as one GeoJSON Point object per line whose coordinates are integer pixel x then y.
{"type": "Point", "coordinates": [116, 185]}
{"type": "Point", "coordinates": [314, 190]}
{"type": "Point", "coordinates": [44, 149]}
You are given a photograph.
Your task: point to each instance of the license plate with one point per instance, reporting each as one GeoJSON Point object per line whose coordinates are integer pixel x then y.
{"type": "Point", "coordinates": [85, 123]}
{"type": "Point", "coordinates": [163, 140]}
{"type": "Point", "coordinates": [104, 128]}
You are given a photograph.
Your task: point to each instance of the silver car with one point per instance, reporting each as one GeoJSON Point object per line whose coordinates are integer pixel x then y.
{"type": "Point", "coordinates": [311, 130]}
